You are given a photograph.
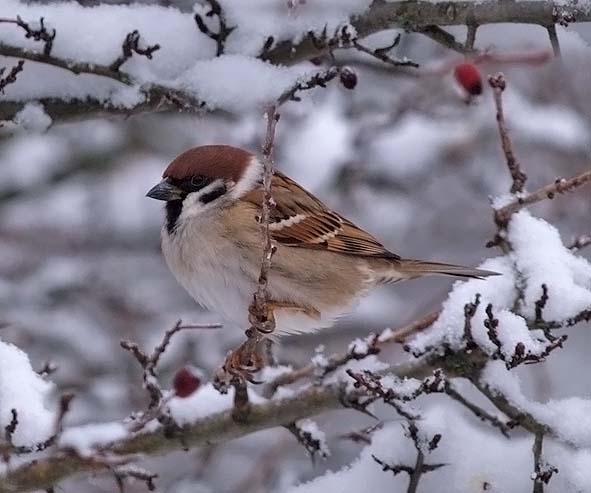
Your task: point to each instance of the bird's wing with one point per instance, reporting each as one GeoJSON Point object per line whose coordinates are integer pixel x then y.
{"type": "Point", "coordinates": [300, 220]}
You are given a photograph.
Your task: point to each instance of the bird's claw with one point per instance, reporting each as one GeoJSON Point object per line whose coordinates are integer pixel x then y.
{"type": "Point", "coordinates": [240, 365]}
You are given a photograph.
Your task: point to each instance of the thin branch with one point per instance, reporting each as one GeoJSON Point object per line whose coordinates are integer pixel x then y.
{"type": "Point", "coordinates": [382, 54]}
{"type": "Point", "coordinates": [40, 33]}
{"type": "Point", "coordinates": [340, 359]}
{"type": "Point", "coordinates": [580, 242]}
{"type": "Point", "coordinates": [444, 38]}
{"type": "Point", "coordinates": [412, 15]}
{"type": "Point", "coordinates": [224, 30]}
{"type": "Point", "coordinates": [554, 39]}
{"type": "Point", "coordinates": [560, 186]}
{"type": "Point", "coordinates": [10, 78]}
{"type": "Point", "coordinates": [497, 83]}
{"type": "Point", "coordinates": [477, 411]}
{"type": "Point", "coordinates": [543, 471]}
{"type": "Point", "coordinates": [471, 35]}
{"type": "Point", "coordinates": [131, 45]}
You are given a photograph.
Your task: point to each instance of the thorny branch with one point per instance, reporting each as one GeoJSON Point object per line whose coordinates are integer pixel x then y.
{"type": "Point", "coordinates": [382, 54]}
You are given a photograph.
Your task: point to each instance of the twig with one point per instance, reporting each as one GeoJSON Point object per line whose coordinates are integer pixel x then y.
{"type": "Point", "coordinates": [124, 472]}
{"type": "Point", "coordinates": [382, 54]}
{"type": "Point", "coordinates": [131, 45]}
{"type": "Point", "coordinates": [319, 79]}
{"type": "Point", "coordinates": [554, 39]}
{"type": "Point", "coordinates": [313, 444]}
{"type": "Point", "coordinates": [399, 336]}
{"type": "Point", "coordinates": [149, 362]}
{"type": "Point", "coordinates": [477, 411]}
{"type": "Point", "coordinates": [580, 242]}
{"type": "Point", "coordinates": [471, 35]}
{"type": "Point", "coordinates": [543, 472]}
{"type": "Point", "coordinates": [39, 34]}
{"type": "Point", "coordinates": [444, 38]}
{"type": "Point", "coordinates": [560, 186]}
{"type": "Point", "coordinates": [497, 83]}
{"type": "Point", "coordinates": [224, 30]}
{"type": "Point", "coordinates": [10, 78]}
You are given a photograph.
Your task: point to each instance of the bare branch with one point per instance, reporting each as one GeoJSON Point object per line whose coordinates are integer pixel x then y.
{"type": "Point", "coordinates": [131, 45]}
{"type": "Point", "coordinates": [560, 186]}
{"type": "Point", "coordinates": [382, 54]}
{"type": "Point", "coordinates": [554, 39]}
{"type": "Point", "coordinates": [498, 84]}
{"type": "Point", "coordinates": [40, 33]}
{"type": "Point", "coordinates": [224, 30]}
{"type": "Point", "coordinates": [10, 78]}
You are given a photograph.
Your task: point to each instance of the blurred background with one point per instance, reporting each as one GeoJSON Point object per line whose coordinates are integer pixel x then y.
{"type": "Point", "coordinates": [404, 157]}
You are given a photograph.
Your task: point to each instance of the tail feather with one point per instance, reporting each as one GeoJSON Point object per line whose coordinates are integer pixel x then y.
{"type": "Point", "coordinates": [417, 268]}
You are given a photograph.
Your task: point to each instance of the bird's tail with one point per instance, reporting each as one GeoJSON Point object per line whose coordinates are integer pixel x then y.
{"type": "Point", "coordinates": [416, 268]}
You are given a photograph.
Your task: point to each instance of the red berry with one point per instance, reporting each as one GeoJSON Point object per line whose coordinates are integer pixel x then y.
{"type": "Point", "coordinates": [185, 382]}
{"type": "Point", "coordinates": [468, 76]}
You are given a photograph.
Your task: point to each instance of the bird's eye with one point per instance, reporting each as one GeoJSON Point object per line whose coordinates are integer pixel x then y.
{"type": "Point", "coordinates": [197, 181]}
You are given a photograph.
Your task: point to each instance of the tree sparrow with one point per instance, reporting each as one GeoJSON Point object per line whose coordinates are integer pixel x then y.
{"type": "Point", "coordinates": [212, 242]}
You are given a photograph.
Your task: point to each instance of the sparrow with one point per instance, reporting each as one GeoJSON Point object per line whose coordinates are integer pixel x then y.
{"type": "Point", "coordinates": [212, 242]}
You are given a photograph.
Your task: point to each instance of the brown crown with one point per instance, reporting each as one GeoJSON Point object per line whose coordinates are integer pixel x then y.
{"type": "Point", "coordinates": [215, 161]}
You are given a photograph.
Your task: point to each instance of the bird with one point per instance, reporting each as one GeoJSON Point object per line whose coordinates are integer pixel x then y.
{"type": "Point", "coordinates": [323, 264]}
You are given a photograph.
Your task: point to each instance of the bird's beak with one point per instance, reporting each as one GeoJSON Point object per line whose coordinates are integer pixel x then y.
{"type": "Point", "coordinates": [164, 191]}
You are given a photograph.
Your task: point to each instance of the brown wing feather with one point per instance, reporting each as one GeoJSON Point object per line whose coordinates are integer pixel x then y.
{"type": "Point", "coordinates": [301, 220]}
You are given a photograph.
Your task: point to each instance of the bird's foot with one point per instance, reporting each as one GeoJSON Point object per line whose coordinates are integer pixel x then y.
{"type": "Point", "coordinates": [241, 364]}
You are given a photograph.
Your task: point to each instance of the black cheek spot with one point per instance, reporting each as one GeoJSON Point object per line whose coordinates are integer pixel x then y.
{"type": "Point", "coordinates": [173, 211]}
{"type": "Point", "coordinates": [214, 194]}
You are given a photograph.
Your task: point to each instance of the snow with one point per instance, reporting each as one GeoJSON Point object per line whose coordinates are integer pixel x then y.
{"type": "Point", "coordinates": [33, 117]}
{"type": "Point", "coordinates": [85, 439]}
{"type": "Point", "coordinates": [316, 434]}
{"type": "Point", "coordinates": [22, 389]}
{"type": "Point", "coordinates": [204, 402]}
{"type": "Point", "coordinates": [541, 257]}
{"type": "Point", "coordinates": [570, 419]}
{"type": "Point", "coordinates": [186, 58]}
{"type": "Point", "coordinates": [238, 83]}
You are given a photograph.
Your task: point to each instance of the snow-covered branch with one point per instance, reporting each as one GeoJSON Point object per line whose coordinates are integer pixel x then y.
{"type": "Point", "coordinates": [177, 50]}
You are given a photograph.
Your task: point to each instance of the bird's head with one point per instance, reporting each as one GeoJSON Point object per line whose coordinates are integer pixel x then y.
{"type": "Point", "coordinates": [205, 178]}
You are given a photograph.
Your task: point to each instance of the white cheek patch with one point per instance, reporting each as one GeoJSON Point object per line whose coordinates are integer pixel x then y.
{"type": "Point", "coordinates": [252, 175]}
{"type": "Point", "coordinates": [192, 205]}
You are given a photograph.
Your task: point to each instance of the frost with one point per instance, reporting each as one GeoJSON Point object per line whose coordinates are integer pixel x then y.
{"type": "Point", "coordinates": [315, 435]}
{"type": "Point", "coordinates": [26, 392]}
{"type": "Point", "coordinates": [204, 402]}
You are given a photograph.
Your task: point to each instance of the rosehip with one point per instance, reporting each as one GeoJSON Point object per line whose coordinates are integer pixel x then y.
{"type": "Point", "coordinates": [185, 382]}
{"type": "Point", "coordinates": [468, 76]}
